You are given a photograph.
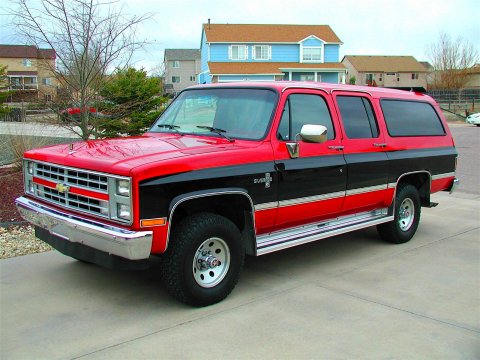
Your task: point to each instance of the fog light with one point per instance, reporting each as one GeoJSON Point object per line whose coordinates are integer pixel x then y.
{"type": "Point", "coordinates": [123, 187]}
{"type": "Point", "coordinates": [123, 211]}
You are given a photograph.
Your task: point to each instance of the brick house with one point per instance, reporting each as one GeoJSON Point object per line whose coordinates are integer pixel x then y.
{"type": "Point", "coordinates": [259, 52]}
{"type": "Point", "coordinates": [30, 72]}
{"type": "Point", "coordinates": [400, 72]}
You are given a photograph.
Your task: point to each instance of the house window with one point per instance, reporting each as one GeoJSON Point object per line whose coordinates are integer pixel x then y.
{"type": "Point", "coordinates": [47, 81]}
{"type": "Point", "coordinates": [175, 64]}
{"type": "Point", "coordinates": [312, 54]}
{"type": "Point", "coordinates": [369, 78]}
{"type": "Point", "coordinates": [307, 77]}
{"type": "Point", "coordinates": [193, 78]}
{"type": "Point", "coordinates": [415, 76]}
{"type": "Point", "coordinates": [238, 52]}
{"type": "Point", "coordinates": [27, 62]}
{"type": "Point", "coordinates": [262, 52]}
{"type": "Point", "coordinates": [175, 79]}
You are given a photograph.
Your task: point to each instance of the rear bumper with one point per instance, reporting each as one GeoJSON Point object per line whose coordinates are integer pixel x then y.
{"type": "Point", "coordinates": [78, 231]}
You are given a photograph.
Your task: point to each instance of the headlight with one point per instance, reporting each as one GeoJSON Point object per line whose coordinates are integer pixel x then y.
{"type": "Point", "coordinates": [123, 211]}
{"type": "Point", "coordinates": [31, 188]}
{"type": "Point", "coordinates": [123, 187]}
{"type": "Point", "coordinates": [30, 167]}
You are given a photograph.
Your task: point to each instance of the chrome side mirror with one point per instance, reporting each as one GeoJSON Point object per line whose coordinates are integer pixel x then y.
{"type": "Point", "coordinates": [309, 133]}
{"type": "Point", "coordinates": [314, 133]}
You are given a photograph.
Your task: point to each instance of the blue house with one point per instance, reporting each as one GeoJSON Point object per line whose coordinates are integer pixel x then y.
{"type": "Point", "coordinates": [243, 52]}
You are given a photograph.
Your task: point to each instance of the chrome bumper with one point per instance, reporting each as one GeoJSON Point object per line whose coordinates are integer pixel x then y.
{"type": "Point", "coordinates": [132, 245]}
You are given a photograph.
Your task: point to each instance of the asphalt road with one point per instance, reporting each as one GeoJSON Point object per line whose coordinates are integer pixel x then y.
{"type": "Point", "coordinates": [352, 296]}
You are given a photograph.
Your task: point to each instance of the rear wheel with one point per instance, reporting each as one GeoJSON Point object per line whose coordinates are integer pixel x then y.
{"type": "Point", "coordinates": [204, 259]}
{"type": "Point", "coordinates": [406, 216]}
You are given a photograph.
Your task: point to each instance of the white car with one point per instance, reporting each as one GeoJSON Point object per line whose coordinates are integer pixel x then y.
{"type": "Point", "coordinates": [473, 119]}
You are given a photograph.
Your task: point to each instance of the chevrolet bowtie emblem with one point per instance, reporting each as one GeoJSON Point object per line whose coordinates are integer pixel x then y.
{"type": "Point", "coordinates": [62, 188]}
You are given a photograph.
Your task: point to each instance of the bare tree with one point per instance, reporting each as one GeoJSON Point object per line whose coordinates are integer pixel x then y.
{"type": "Point", "coordinates": [453, 62]}
{"type": "Point", "coordinates": [90, 39]}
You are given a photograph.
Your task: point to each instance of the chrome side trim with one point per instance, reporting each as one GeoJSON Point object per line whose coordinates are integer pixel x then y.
{"type": "Point", "coordinates": [367, 189]}
{"type": "Point", "coordinates": [313, 232]}
{"type": "Point", "coordinates": [443, 176]}
{"type": "Point", "coordinates": [392, 185]}
{"type": "Point", "coordinates": [132, 245]}
{"type": "Point", "coordinates": [309, 199]}
{"type": "Point", "coordinates": [203, 195]}
{"type": "Point", "coordinates": [266, 206]}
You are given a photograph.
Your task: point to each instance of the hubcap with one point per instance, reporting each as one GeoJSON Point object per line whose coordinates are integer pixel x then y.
{"type": "Point", "coordinates": [211, 262]}
{"type": "Point", "coordinates": [406, 214]}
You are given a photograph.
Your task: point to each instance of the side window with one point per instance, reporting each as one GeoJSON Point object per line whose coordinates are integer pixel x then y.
{"type": "Point", "coordinates": [301, 109]}
{"type": "Point", "coordinates": [411, 118]}
{"type": "Point", "coordinates": [357, 116]}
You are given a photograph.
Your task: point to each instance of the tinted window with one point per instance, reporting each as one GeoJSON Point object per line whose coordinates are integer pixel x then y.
{"type": "Point", "coordinates": [357, 116]}
{"type": "Point", "coordinates": [304, 109]}
{"type": "Point", "coordinates": [409, 118]}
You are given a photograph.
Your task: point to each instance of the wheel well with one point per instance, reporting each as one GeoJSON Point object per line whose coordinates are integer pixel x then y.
{"type": "Point", "coordinates": [421, 181]}
{"type": "Point", "coordinates": [235, 207]}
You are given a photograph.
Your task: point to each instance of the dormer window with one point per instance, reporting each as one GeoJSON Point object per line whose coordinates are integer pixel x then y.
{"type": "Point", "coordinates": [312, 54]}
{"type": "Point", "coordinates": [262, 52]}
{"type": "Point", "coordinates": [238, 52]}
{"type": "Point", "coordinates": [27, 62]}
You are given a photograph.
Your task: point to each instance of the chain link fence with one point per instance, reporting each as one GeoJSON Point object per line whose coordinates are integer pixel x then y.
{"type": "Point", "coordinates": [460, 102]}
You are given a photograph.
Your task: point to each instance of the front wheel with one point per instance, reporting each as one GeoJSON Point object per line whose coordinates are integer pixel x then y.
{"type": "Point", "coordinates": [204, 259]}
{"type": "Point", "coordinates": [406, 216]}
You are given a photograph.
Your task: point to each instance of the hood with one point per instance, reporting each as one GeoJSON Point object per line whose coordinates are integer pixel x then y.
{"type": "Point", "coordinates": [119, 156]}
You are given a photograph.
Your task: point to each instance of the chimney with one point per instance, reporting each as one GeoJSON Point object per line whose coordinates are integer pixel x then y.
{"type": "Point", "coordinates": [208, 24]}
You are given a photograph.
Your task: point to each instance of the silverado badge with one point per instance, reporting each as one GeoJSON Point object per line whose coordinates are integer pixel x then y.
{"type": "Point", "coordinates": [267, 180]}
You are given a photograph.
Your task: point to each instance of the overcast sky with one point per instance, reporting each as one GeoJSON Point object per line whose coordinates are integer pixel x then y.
{"type": "Point", "coordinates": [366, 27]}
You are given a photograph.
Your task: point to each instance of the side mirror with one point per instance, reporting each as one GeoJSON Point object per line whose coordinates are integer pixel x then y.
{"type": "Point", "coordinates": [313, 133]}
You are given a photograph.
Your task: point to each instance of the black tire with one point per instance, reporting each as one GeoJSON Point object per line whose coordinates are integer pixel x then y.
{"type": "Point", "coordinates": [407, 216]}
{"type": "Point", "coordinates": [182, 279]}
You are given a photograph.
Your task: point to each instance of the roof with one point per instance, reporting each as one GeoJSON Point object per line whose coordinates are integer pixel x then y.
{"type": "Point", "coordinates": [327, 87]}
{"type": "Point", "coordinates": [270, 68]}
{"type": "Point", "coordinates": [385, 63]}
{"type": "Point", "coordinates": [267, 33]}
{"type": "Point", "coordinates": [25, 51]}
{"type": "Point", "coordinates": [182, 54]}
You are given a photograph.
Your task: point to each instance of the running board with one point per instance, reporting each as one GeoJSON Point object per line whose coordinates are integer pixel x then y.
{"type": "Point", "coordinates": [301, 235]}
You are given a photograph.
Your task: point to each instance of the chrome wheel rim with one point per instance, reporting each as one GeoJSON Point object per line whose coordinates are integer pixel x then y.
{"type": "Point", "coordinates": [406, 214]}
{"type": "Point", "coordinates": [211, 262]}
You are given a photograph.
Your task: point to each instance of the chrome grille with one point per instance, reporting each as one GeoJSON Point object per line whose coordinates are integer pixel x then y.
{"type": "Point", "coordinates": [73, 177]}
{"type": "Point", "coordinates": [76, 178]}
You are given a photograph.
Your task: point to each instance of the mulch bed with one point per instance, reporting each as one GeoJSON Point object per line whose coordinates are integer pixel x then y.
{"type": "Point", "coordinates": [11, 187]}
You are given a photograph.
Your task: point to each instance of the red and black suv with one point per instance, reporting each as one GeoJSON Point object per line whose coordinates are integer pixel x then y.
{"type": "Point", "coordinates": [230, 170]}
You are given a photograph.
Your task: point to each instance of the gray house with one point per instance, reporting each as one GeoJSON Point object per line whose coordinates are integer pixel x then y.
{"type": "Point", "coordinates": [182, 67]}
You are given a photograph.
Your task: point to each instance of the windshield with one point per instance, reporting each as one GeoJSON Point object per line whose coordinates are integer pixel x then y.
{"type": "Point", "coordinates": [231, 113]}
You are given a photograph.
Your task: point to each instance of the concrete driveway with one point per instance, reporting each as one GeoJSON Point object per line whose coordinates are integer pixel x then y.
{"type": "Point", "coordinates": [351, 296]}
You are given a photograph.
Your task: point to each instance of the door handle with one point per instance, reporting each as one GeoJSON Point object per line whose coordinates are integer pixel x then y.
{"type": "Point", "coordinates": [336, 147]}
{"type": "Point", "coordinates": [380, 145]}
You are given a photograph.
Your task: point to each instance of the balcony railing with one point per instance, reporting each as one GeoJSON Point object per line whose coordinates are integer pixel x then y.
{"type": "Point", "coordinates": [23, 87]}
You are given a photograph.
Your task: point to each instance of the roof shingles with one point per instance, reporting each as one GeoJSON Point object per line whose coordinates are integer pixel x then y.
{"type": "Point", "coordinates": [270, 68]}
{"type": "Point", "coordinates": [366, 63]}
{"type": "Point", "coordinates": [267, 33]}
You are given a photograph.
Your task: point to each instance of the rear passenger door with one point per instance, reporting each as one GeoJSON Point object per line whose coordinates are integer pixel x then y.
{"type": "Point", "coordinates": [311, 187]}
{"type": "Point", "coordinates": [364, 151]}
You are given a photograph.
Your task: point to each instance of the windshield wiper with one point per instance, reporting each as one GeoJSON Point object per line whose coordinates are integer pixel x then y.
{"type": "Point", "coordinates": [218, 131]}
{"type": "Point", "coordinates": [171, 127]}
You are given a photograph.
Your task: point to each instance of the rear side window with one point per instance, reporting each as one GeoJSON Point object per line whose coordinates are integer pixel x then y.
{"type": "Point", "coordinates": [411, 118]}
{"type": "Point", "coordinates": [357, 116]}
{"type": "Point", "coordinates": [302, 109]}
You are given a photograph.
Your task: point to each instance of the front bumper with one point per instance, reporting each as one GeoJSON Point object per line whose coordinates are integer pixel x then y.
{"type": "Point", "coordinates": [108, 239]}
